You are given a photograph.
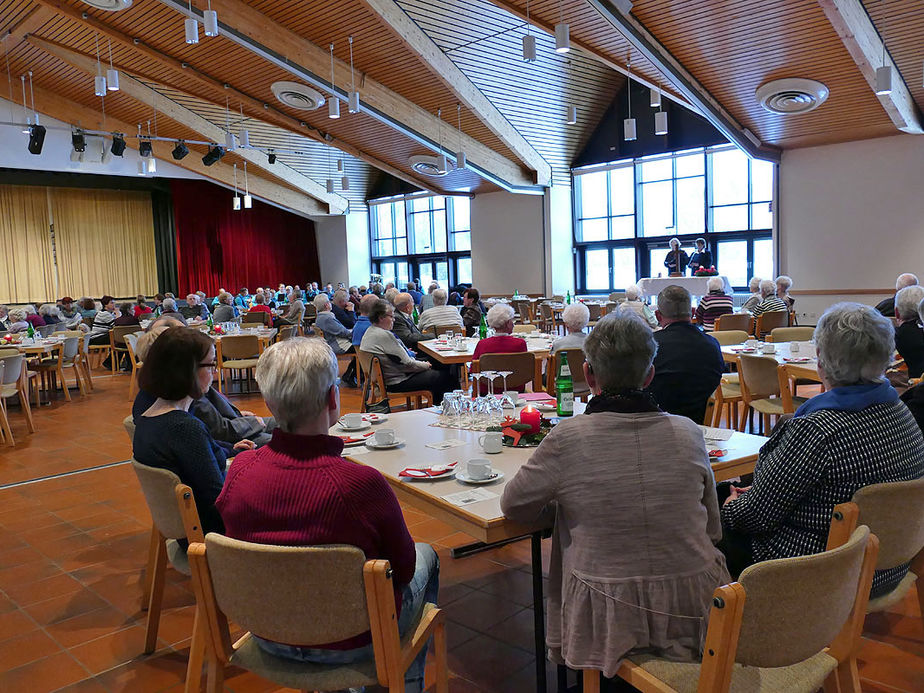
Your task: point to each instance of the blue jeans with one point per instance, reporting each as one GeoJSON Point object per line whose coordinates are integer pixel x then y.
{"type": "Point", "coordinates": [422, 589]}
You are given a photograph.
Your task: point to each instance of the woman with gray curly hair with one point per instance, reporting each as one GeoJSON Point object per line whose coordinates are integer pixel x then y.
{"type": "Point", "coordinates": [575, 317]}
{"type": "Point", "coordinates": [854, 434]}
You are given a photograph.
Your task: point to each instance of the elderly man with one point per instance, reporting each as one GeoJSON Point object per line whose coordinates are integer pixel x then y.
{"type": "Point", "coordinates": [193, 310]}
{"type": "Point", "coordinates": [909, 337]}
{"type": "Point", "coordinates": [471, 311]}
{"type": "Point", "coordinates": [170, 311]}
{"type": "Point", "coordinates": [887, 305]}
{"type": "Point", "coordinates": [404, 328]}
{"type": "Point", "coordinates": [362, 322]}
{"type": "Point", "coordinates": [769, 301]}
{"type": "Point", "coordinates": [338, 337]}
{"type": "Point", "coordinates": [426, 302]}
{"type": "Point", "coordinates": [356, 296]}
{"type": "Point", "coordinates": [440, 313]}
{"type": "Point", "coordinates": [5, 321]}
{"type": "Point", "coordinates": [391, 294]}
{"type": "Point", "coordinates": [576, 316]}
{"type": "Point", "coordinates": [713, 304]}
{"type": "Point", "coordinates": [299, 491]}
{"type": "Point", "coordinates": [634, 302]}
{"type": "Point", "coordinates": [415, 294]}
{"type": "Point", "coordinates": [343, 308]}
{"type": "Point", "coordinates": [689, 364]}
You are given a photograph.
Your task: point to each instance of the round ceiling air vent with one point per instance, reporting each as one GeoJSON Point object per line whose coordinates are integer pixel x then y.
{"type": "Point", "coordinates": [109, 5]}
{"type": "Point", "coordinates": [792, 95]}
{"type": "Point", "coordinates": [298, 96]}
{"type": "Point", "coordinates": [428, 165]}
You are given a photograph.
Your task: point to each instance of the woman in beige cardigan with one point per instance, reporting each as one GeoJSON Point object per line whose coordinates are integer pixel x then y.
{"type": "Point", "coordinates": [633, 561]}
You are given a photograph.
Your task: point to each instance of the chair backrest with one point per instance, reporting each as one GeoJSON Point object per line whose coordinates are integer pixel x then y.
{"type": "Point", "coordinates": [733, 321]}
{"type": "Point", "coordinates": [70, 348]}
{"type": "Point", "coordinates": [767, 322]}
{"type": "Point", "coordinates": [158, 487]}
{"type": "Point", "coordinates": [617, 296]}
{"type": "Point", "coordinates": [13, 368]}
{"type": "Point", "coordinates": [758, 376]}
{"type": "Point", "coordinates": [523, 310]}
{"type": "Point", "coordinates": [545, 311]}
{"type": "Point", "coordinates": [576, 360]}
{"type": "Point", "coordinates": [260, 316]}
{"type": "Point", "coordinates": [310, 311]}
{"type": "Point", "coordinates": [370, 370]}
{"type": "Point", "coordinates": [46, 330]}
{"type": "Point", "coordinates": [129, 424]}
{"type": "Point", "coordinates": [240, 346]}
{"type": "Point", "coordinates": [596, 311]}
{"type": "Point", "coordinates": [795, 607]}
{"type": "Point", "coordinates": [522, 365]}
{"type": "Point", "coordinates": [305, 595]}
{"type": "Point", "coordinates": [558, 298]}
{"type": "Point", "coordinates": [525, 327]}
{"type": "Point", "coordinates": [894, 512]}
{"type": "Point", "coordinates": [117, 334]}
{"type": "Point", "coordinates": [61, 327]}
{"type": "Point", "coordinates": [729, 337]}
{"type": "Point", "coordinates": [792, 334]}
{"type": "Point", "coordinates": [443, 329]}
{"type": "Point", "coordinates": [286, 332]}
{"type": "Point", "coordinates": [8, 351]}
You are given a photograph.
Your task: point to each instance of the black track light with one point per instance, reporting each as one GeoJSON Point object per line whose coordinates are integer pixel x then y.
{"type": "Point", "coordinates": [36, 139]}
{"type": "Point", "coordinates": [78, 141]}
{"type": "Point", "coordinates": [271, 157]}
{"type": "Point", "coordinates": [180, 150]}
{"type": "Point", "coordinates": [215, 153]}
{"type": "Point", "coordinates": [145, 149]}
{"type": "Point", "coordinates": [118, 145]}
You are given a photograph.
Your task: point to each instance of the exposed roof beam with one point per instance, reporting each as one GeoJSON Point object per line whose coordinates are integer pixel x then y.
{"type": "Point", "coordinates": [54, 106]}
{"type": "Point", "coordinates": [255, 108]}
{"type": "Point", "coordinates": [645, 43]}
{"type": "Point", "coordinates": [862, 40]}
{"type": "Point", "coordinates": [14, 35]}
{"type": "Point", "coordinates": [252, 30]}
{"type": "Point", "coordinates": [444, 69]}
{"type": "Point", "coordinates": [182, 115]}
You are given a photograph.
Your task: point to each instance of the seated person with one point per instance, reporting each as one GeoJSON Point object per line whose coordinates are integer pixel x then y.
{"type": "Point", "coordinates": [713, 304]}
{"type": "Point", "coordinates": [70, 313]}
{"type": "Point", "coordinates": [296, 312]}
{"type": "Point", "coordinates": [259, 306]}
{"type": "Point", "coordinates": [243, 300]}
{"type": "Point", "coordinates": [909, 337]}
{"type": "Point", "coordinates": [16, 321]}
{"type": "Point", "coordinates": [141, 306]}
{"type": "Point", "coordinates": [575, 317]}
{"type": "Point", "coordinates": [103, 321]}
{"type": "Point", "coordinates": [158, 304]}
{"type": "Point", "coordinates": [500, 319]}
{"type": "Point", "coordinates": [4, 317]}
{"type": "Point", "coordinates": [631, 569]}
{"type": "Point", "coordinates": [440, 314]}
{"type": "Point", "coordinates": [168, 309]}
{"type": "Point", "coordinates": [33, 318]}
{"type": "Point", "coordinates": [471, 311]}
{"type": "Point", "coordinates": [426, 301]}
{"type": "Point", "coordinates": [887, 306]}
{"type": "Point", "coordinates": [50, 313]}
{"type": "Point", "coordinates": [769, 302]}
{"type": "Point", "coordinates": [356, 295]}
{"type": "Point", "coordinates": [689, 363]}
{"type": "Point", "coordinates": [402, 372]}
{"type": "Point", "coordinates": [338, 337]}
{"type": "Point", "coordinates": [194, 310]}
{"type": "Point", "coordinates": [224, 311]}
{"type": "Point", "coordinates": [783, 285]}
{"type": "Point", "coordinates": [854, 434]}
{"type": "Point", "coordinates": [343, 309]}
{"type": "Point", "coordinates": [755, 298]}
{"type": "Point", "coordinates": [634, 302]}
{"type": "Point", "coordinates": [299, 491]}
{"type": "Point", "coordinates": [404, 328]}
{"type": "Point", "coordinates": [415, 294]}
{"type": "Point", "coordinates": [178, 368]}
{"type": "Point", "coordinates": [125, 315]}
{"type": "Point", "coordinates": [362, 321]}
{"type": "Point", "coordinates": [87, 308]}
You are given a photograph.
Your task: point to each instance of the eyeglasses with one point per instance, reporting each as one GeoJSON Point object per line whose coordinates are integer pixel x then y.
{"type": "Point", "coordinates": [211, 365]}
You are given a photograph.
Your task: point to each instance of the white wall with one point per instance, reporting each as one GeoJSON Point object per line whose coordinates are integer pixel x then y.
{"type": "Point", "coordinates": [343, 248]}
{"type": "Point", "coordinates": [508, 243]}
{"type": "Point", "coordinates": [560, 241]}
{"type": "Point", "coordinates": [358, 251]}
{"type": "Point", "coordinates": [851, 218]}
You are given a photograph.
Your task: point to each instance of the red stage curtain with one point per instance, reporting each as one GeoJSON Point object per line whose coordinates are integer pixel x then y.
{"type": "Point", "coordinates": [218, 248]}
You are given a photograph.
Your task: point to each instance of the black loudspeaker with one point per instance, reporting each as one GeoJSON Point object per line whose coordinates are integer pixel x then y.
{"type": "Point", "coordinates": [118, 145]}
{"type": "Point", "coordinates": [36, 139]}
{"type": "Point", "coordinates": [180, 150]}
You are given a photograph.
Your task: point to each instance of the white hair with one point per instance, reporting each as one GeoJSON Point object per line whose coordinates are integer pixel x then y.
{"type": "Point", "coordinates": [576, 316]}
{"type": "Point", "coordinates": [49, 309]}
{"type": "Point", "coordinates": [633, 293]}
{"type": "Point", "coordinates": [433, 287]}
{"type": "Point", "coordinates": [169, 305]}
{"type": "Point", "coordinates": [295, 377]}
{"type": "Point", "coordinates": [321, 302]}
{"type": "Point", "coordinates": [906, 279]}
{"type": "Point", "coordinates": [754, 284]}
{"type": "Point", "coordinates": [907, 301]}
{"type": "Point", "coordinates": [767, 287]}
{"type": "Point", "coordinates": [855, 344]}
{"type": "Point", "coordinates": [784, 282]}
{"type": "Point", "coordinates": [674, 240]}
{"type": "Point", "coordinates": [340, 297]}
{"type": "Point", "coordinates": [440, 297]}
{"type": "Point", "coordinates": [17, 315]}
{"type": "Point", "coordinates": [499, 315]}
{"type": "Point", "coordinates": [715, 284]}
{"type": "Point", "coordinates": [620, 350]}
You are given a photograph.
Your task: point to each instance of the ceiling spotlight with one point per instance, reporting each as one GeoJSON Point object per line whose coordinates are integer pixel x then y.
{"type": "Point", "coordinates": [345, 183]}
{"type": "Point", "coordinates": [180, 150]}
{"type": "Point", "coordinates": [112, 79]}
{"type": "Point", "coordinates": [99, 85]}
{"type": "Point", "coordinates": [36, 139]}
{"type": "Point", "coordinates": [76, 157]}
{"type": "Point", "coordinates": [210, 20]}
{"type": "Point", "coordinates": [340, 165]}
{"type": "Point", "coordinates": [572, 115]}
{"type": "Point", "coordinates": [118, 144]}
{"type": "Point", "coordinates": [142, 167]}
{"type": "Point", "coordinates": [152, 165]}
{"type": "Point", "coordinates": [655, 101]}
{"type": "Point", "coordinates": [192, 30]}
{"type": "Point", "coordinates": [230, 141]}
{"type": "Point", "coordinates": [562, 37]}
{"type": "Point", "coordinates": [244, 138]}
{"type": "Point", "coordinates": [529, 48]}
{"type": "Point", "coordinates": [145, 149]}
{"type": "Point", "coordinates": [78, 141]}
{"type": "Point", "coordinates": [354, 102]}
{"type": "Point", "coordinates": [236, 203]}
{"type": "Point", "coordinates": [271, 157]}
{"type": "Point", "coordinates": [660, 123]}
{"type": "Point", "coordinates": [330, 185]}
{"type": "Point", "coordinates": [248, 201]}
{"type": "Point", "coordinates": [333, 107]}
{"type": "Point", "coordinates": [628, 129]}
{"type": "Point", "coordinates": [884, 80]}
{"type": "Point", "coordinates": [214, 154]}
{"type": "Point", "coordinates": [442, 163]}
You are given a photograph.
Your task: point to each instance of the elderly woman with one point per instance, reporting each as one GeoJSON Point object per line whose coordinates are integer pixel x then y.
{"type": "Point", "coordinates": [854, 434]}
{"type": "Point", "coordinates": [427, 301]}
{"type": "Point", "coordinates": [500, 319]}
{"type": "Point", "coordinates": [141, 306]}
{"type": "Point", "coordinates": [337, 336]}
{"type": "Point", "coordinates": [33, 317]}
{"type": "Point", "coordinates": [103, 321]}
{"type": "Point", "coordinates": [755, 298]}
{"type": "Point", "coordinates": [50, 313]}
{"type": "Point", "coordinates": [635, 303]}
{"type": "Point", "coordinates": [909, 337]}
{"type": "Point", "coordinates": [16, 321]}
{"type": "Point", "coordinates": [631, 568]}
{"type": "Point", "coordinates": [783, 285]}
{"type": "Point", "coordinates": [178, 368]}
{"type": "Point", "coordinates": [440, 314]}
{"type": "Point", "coordinates": [677, 259]}
{"type": "Point", "coordinates": [4, 317]}
{"type": "Point", "coordinates": [296, 312]}
{"type": "Point", "coordinates": [403, 373]}
{"type": "Point", "coordinates": [769, 302]}
{"type": "Point", "coordinates": [701, 258]}
{"type": "Point", "coordinates": [224, 311]}
{"type": "Point", "coordinates": [576, 316]}
{"type": "Point", "coordinates": [126, 315]}
{"type": "Point", "coordinates": [87, 307]}
{"type": "Point", "coordinates": [713, 304]}
{"type": "Point", "coordinates": [299, 491]}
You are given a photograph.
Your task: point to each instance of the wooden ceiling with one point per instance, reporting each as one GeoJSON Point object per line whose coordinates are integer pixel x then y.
{"type": "Point", "coordinates": [512, 113]}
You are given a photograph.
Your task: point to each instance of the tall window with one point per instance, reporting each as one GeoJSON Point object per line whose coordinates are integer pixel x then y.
{"type": "Point", "coordinates": [627, 212]}
{"type": "Point", "coordinates": [426, 238]}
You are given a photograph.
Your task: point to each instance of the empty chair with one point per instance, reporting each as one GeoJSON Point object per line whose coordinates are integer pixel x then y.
{"type": "Point", "coordinates": [596, 312]}
{"type": "Point", "coordinates": [767, 322]}
{"type": "Point", "coordinates": [792, 334]}
{"type": "Point", "coordinates": [260, 317]}
{"type": "Point", "coordinates": [546, 318]}
{"type": "Point", "coordinates": [524, 310]}
{"type": "Point", "coordinates": [52, 368]}
{"type": "Point", "coordinates": [14, 384]}
{"type": "Point", "coordinates": [760, 389]}
{"type": "Point", "coordinates": [522, 367]}
{"type": "Point", "coordinates": [733, 321]}
{"type": "Point", "coordinates": [576, 360]}
{"type": "Point", "coordinates": [730, 337]}
{"type": "Point", "coordinates": [286, 332]}
{"type": "Point", "coordinates": [236, 352]}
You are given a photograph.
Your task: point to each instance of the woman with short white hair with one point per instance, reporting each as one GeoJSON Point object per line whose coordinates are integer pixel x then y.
{"type": "Point", "coordinates": [17, 320]}
{"type": "Point", "coordinates": [769, 302]}
{"type": "Point", "coordinates": [338, 337]}
{"type": "Point", "coordinates": [677, 259]}
{"type": "Point", "coordinates": [713, 304]}
{"type": "Point", "coordinates": [909, 337]}
{"type": "Point", "coordinates": [50, 313]}
{"type": "Point", "coordinates": [854, 434]}
{"type": "Point", "coordinates": [783, 285]}
{"type": "Point", "coordinates": [224, 311]}
{"type": "Point", "coordinates": [755, 298]}
{"type": "Point", "coordinates": [575, 317]}
{"type": "Point", "coordinates": [500, 319]}
{"type": "Point", "coordinates": [635, 302]}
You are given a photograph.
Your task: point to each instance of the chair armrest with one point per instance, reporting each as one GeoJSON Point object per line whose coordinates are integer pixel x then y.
{"type": "Point", "coordinates": [421, 635]}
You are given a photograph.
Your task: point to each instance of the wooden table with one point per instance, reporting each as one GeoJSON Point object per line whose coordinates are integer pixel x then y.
{"type": "Point", "coordinates": [540, 347]}
{"type": "Point", "coordinates": [783, 351]}
{"type": "Point", "coordinates": [484, 519]}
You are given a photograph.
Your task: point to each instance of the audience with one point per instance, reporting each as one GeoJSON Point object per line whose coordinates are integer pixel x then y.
{"type": "Point", "coordinates": [224, 311]}
{"type": "Point", "coordinates": [103, 321]}
{"type": "Point", "coordinates": [4, 317]}
{"type": "Point", "coordinates": [362, 322]}
{"type": "Point", "coordinates": [343, 309]}
{"type": "Point", "coordinates": [415, 294]}
{"type": "Point", "coordinates": [755, 298]}
{"type": "Point", "coordinates": [296, 312]}
{"type": "Point", "coordinates": [783, 285]}
{"type": "Point", "coordinates": [158, 304]}
{"type": "Point", "coordinates": [33, 318]}
{"type": "Point", "coordinates": [714, 304]}
{"type": "Point", "coordinates": [769, 302]}
{"type": "Point", "coordinates": [87, 308]}
{"type": "Point", "coordinates": [70, 312]}
{"type": "Point", "coordinates": [126, 315]}
{"type": "Point", "coordinates": [440, 314]}
{"type": "Point", "coordinates": [909, 337]}
{"type": "Point", "coordinates": [390, 294]}
{"type": "Point", "coordinates": [575, 317]}
{"type": "Point", "coordinates": [17, 321]}
{"type": "Point", "coordinates": [194, 309]}
{"type": "Point", "coordinates": [404, 328]}
{"type": "Point", "coordinates": [500, 319]}
{"type": "Point", "coordinates": [168, 309]}
{"type": "Point", "coordinates": [854, 434]}
{"type": "Point", "coordinates": [426, 302]}
{"type": "Point", "coordinates": [338, 337]}
{"type": "Point", "coordinates": [259, 306]}
{"type": "Point", "coordinates": [634, 500]}
{"type": "Point", "coordinates": [51, 313]}
{"type": "Point", "coordinates": [887, 306]}
{"type": "Point", "coordinates": [141, 306]}
{"type": "Point", "coordinates": [689, 364]}
{"type": "Point", "coordinates": [471, 311]}
{"type": "Point", "coordinates": [634, 302]}
{"type": "Point", "coordinates": [242, 300]}
{"type": "Point", "coordinates": [356, 295]}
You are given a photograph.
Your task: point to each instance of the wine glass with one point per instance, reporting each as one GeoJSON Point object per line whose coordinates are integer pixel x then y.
{"type": "Point", "coordinates": [509, 402]}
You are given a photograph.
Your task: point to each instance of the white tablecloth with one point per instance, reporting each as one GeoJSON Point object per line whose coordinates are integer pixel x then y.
{"type": "Point", "coordinates": [652, 286]}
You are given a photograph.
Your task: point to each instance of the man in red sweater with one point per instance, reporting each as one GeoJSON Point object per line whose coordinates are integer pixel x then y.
{"type": "Point", "coordinates": [500, 319]}
{"type": "Point", "coordinates": [299, 491]}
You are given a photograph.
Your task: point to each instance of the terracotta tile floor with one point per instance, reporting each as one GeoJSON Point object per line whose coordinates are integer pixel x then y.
{"type": "Point", "coordinates": [72, 550]}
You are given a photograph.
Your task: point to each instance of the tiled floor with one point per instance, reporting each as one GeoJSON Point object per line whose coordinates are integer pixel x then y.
{"type": "Point", "coordinates": [72, 549]}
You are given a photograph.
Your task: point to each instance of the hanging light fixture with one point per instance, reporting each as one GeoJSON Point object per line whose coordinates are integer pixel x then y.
{"type": "Point", "coordinates": [142, 167]}
{"type": "Point", "coordinates": [655, 101]}
{"type": "Point", "coordinates": [112, 75]}
{"type": "Point", "coordinates": [180, 150]}
{"type": "Point", "coordinates": [191, 27]}
{"type": "Point", "coordinates": [99, 82]}
{"type": "Point", "coordinates": [152, 165]}
{"type": "Point", "coordinates": [236, 200]}
{"type": "Point", "coordinates": [884, 75]}
{"type": "Point", "coordinates": [330, 179]}
{"type": "Point", "coordinates": [529, 41]}
{"type": "Point", "coordinates": [441, 161]}
{"type": "Point", "coordinates": [244, 136]}
{"type": "Point", "coordinates": [210, 21]}
{"type": "Point", "coordinates": [572, 115]}
{"type": "Point", "coordinates": [460, 155]}
{"type": "Point", "coordinates": [333, 104]}
{"type": "Point", "coordinates": [118, 144]}
{"type": "Point", "coordinates": [354, 95]}
{"type": "Point", "coordinates": [248, 199]}
{"type": "Point", "coordinates": [660, 121]}
{"type": "Point", "coordinates": [628, 125]}
{"type": "Point", "coordinates": [562, 33]}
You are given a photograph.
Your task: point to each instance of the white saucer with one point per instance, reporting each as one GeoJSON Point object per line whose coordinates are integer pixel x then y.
{"type": "Point", "coordinates": [372, 445]}
{"type": "Point", "coordinates": [362, 441]}
{"type": "Point", "coordinates": [465, 478]}
{"type": "Point", "coordinates": [375, 418]}
{"type": "Point", "coordinates": [545, 407]}
{"type": "Point", "coordinates": [365, 426]}
{"type": "Point", "coordinates": [447, 475]}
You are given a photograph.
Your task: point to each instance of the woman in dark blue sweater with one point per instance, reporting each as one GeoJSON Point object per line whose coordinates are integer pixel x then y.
{"type": "Point", "coordinates": [178, 369]}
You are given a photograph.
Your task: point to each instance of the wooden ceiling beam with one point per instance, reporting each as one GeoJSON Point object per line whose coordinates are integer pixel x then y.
{"type": "Point", "coordinates": [182, 115]}
{"type": "Point", "coordinates": [254, 107]}
{"type": "Point", "coordinates": [34, 21]}
{"type": "Point", "coordinates": [73, 113]}
{"type": "Point", "coordinates": [859, 35]}
{"type": "Point", "coordinates": [250, 29]}
{"type": "Point", "coordinates": [443, 68]}
{"type": "Point", "coordinates": [686, 84]}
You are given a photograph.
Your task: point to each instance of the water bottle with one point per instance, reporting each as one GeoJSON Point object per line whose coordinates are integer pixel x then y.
{"type": "Point", "coordinates": [564, 387]}
{"type": "Point", "coordinates": [483, 328]}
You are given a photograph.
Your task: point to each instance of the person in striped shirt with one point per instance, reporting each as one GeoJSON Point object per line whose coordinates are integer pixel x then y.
{"type": "Point", "coordinates": [770, 302]}
{"type": "Point", "coordinates": [713, 304]}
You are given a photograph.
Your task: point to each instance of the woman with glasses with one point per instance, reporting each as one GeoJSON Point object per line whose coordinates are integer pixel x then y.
{"type": "Point", "coordinates": [178, 369]}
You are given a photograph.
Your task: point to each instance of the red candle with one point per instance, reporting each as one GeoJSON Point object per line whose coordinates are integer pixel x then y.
{"type": "Point", "coordinates": [531, 416]}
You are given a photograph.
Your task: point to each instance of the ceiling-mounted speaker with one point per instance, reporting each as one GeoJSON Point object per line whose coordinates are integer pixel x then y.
{"type": "Point", "coordinates": [118, 145]}
{"type": "Point", "coordinates": [109, 5]}
{"type": "Point", "coordinates": [36, 139]}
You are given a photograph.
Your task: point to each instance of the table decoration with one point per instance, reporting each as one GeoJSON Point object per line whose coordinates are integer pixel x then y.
{"type": "Point", "coordinates": [532, 417]}
{"type": "Point", "coordinates": [706, 272]}
{"type": "Point", "coordinates": [520, 434]}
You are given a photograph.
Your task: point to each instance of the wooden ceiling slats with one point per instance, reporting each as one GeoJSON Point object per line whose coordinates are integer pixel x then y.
{"type": "Point", "coordinates": [901, 25]}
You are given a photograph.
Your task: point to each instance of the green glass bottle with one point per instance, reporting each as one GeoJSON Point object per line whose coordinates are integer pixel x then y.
{"type": "Point", "coordinates": [568, 297]}
{"type": "Point", "coordinates": [415, 315]}
{"type": "Point", "coordinates": [30, 331]}
{"type": "Point", "coordinates": [483, 328]}
{"type": "Point", "coordinates": [564, 387]}
{"type": "Point", "coordinates": [209, 322]}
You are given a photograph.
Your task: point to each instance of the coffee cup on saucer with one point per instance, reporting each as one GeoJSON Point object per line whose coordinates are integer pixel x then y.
{"type": "Point", "coordinates": [751, 343]}
{"type": "Point", "coordinates": [385, 436]}
{"type": "Point", "coordinates": [768, 348]}
{"type": "Point", "coordinates": [351, 420]}
{"type": "Point", "coordinates": [478, 469]}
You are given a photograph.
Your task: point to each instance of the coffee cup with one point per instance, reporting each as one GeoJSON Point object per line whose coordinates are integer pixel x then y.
{"type": "Point", "coordinates": [478, 469]}
{"type": "Point", "coordinates": [385, 436]}
{"type": "Point", "coordinates": [752, 343]}
{"type": "Point", "coordinates": [352, 420]}
{"type": "Point", "coordinates": [768, 348]}
{"type": "Point", "coordinates": [492, 443]}
{"type": "Point", "coordinates": [794, 347]}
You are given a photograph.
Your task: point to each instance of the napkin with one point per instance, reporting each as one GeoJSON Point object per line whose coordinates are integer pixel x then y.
{"type": "Point", "coordinates": [356, 438]}
{"type": "Point", "coordinates": [446, 444]}
{"type": "Point", "coordinates": [536, 396]}
{"type": "Point", "coordinates": [431, 471]}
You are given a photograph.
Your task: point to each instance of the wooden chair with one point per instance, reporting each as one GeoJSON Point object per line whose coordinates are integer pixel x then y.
{"type": "Point", "coordinates": [128, 423]}
{"type": "Point", "coordinates": [767, 322]}
{"type": "Point", "coordinates": [609, 307]}
{"type": "Point", "coordinates": [730, 337]}
{"type": "Point", "coordinates": [14, 383]}
{"type": "Point", "coordinates": [728, 393]}
{"type": "Point", "coordinates": [311, 314]}
{"type": "Point", "coordinates": [525, 327]}
{"type": "Point", "coordinates": [98, 351]}
{"type": "Point", "coordinates": [788, 385]}
{"type": "Point", "coordinates": [596, 312]}
{"type": "Point", "coordinates": [117, 344]}
{"type": "Point", "coordinates": [733, 321]}
{"type": "Point", "coordinates": [791, 334]}
{"type": "Point", "coordinates": [304, 595]}
{"type": "Point", "coordinates": [258, 316]}
{"type": "Point", "coordinates": [547, 318]}
{"type": "Point", "coordinates": [791, 624]}
{"type": "Point", "coordinates": [524, 310]}
{"type": "Point", "coordinates": [760, 389]}
{"type": "Point", "coordinates": [236, 352]}
{"type": "Point", "coordinates": [522, 366]}
{"type": "Point", "coordinates": [286, 332]}
{"type": "Point", "coordinates": [51, 369]}
{"type": "Point", "coordinates": [85, 360]}
{"type": "Point", "coordinates": [130, 341]}
{"type": "Point", "coordinates": [443, 329]}
{"type": "Point", "coordinates": [576, 360]}
{"type": "Point", "coordinates": [374, 390]}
